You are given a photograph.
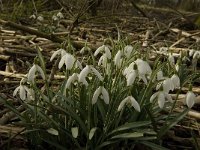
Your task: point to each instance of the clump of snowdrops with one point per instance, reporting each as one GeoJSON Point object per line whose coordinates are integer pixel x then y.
{"type": "Point", "coordinates": [112, 97]}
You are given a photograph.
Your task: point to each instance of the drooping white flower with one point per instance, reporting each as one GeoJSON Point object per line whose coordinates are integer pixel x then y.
{"type": "Point", "coordinates": [107, 52]}
{"type": "Point", "coordinates": [23, 90]}
{"type": "Point", "coordinates": [84, 73]}
{"type": "Point", "coordinates": [61, 52]}
{"type": "Point", "coordinates": [103, 61]}
{"type": "Point", "coordinates": [176, 81]}
{"type": "Point", "coordinates": [68, 60]}
{"type": "Point", "coordinates": [101, 48]}
{"type": "Point", "coordinates": [143, 67]}
{"type": "Point", "coordinates": [190, 99]}
{"type": "Point", "coordinates": [100, 91]}
{"type": "Point", "coordinates": [129, 100]}
{"type": "Point", "coordinates": [71, 80]}
{"type": "Point", "coordinates": [105, 49]}
{"type": "Point", "coordinates": [130, 77]}
{"type": "Point", "coordinates": [60, 15]}
{"type": "Point", "coordinates": [196, 55]}
{"type": "Point", "coordinates": [161, 97]}
{"type": "Point", "coordinates": [32, 73]}
{"type": "Point", "coordinates": [117, 58]}
{"type": "Point", "coordinates": [191, 52]}
{"type": "Point", "coordinates": [168, 85]}
{"type": "Point", "coordinates": [128, 50]}
{"type": "Point", "coordinates": [55, 18]}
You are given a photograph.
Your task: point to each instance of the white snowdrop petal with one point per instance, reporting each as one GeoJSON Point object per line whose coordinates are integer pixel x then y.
{"type": "Point", "coordinates": [190, 99]}
{"type": "Point", "coordinates": [22, 92]}
{"type": "Point", "coordinates": [117, 58]}
{"type": "Point", "coordinates": [31, 73]}
{"type": "Point", "coordinates": [135, 104]}
{"type": "Point", "coordinates": [153, 96]}
{"type": "Point", "coordinates": [96, 95]}
{"type": "Point", "coordinates": [69, 61]}
{"type": "Point", "coordinates": [131, 77]}
{"type": "Point", "coordinates": [92, 132]}
{"type": "Point", "coordinates": [74, 131]}
{"type": "Point", "coordinates": [100, 60]}
{"type": "Point", "coordinates": [71, 79]}
{"type": "Point", "coordinates": [161, 99]}
{"type": "Point", "coordinates": [168, 85]}
{"type": "Point", "coordinates": [55, 54]}
{"type": "Point", "coordinates": [105, 95]}
{"type": "Point", "coordinates": [128, 50]}
{"type": "Point", "coordinates": [52, 131]}
{"type": "Point", "coordinates": [144, 79]}
{"type": "Point", "coordinates": [123, 102]}
{"type": "Point", "coordinates": [39, 69]}
{"type": "Point", "coordinates": [191, 52]}
{"type": "Point", "coordinates": [96, 72]}
{"type": "Point", "coordinates": [83, 74]}
{"type": "Point", "coordinates": [62, 61]}
{"type": "Point", "coordinates": [99, 50]}
{"type": "Point", "coordinates": [16, 90]}
{"type": "Point", "coordinates": [176, 81]}
{"type": "Point", "coordinates": [107, 52]}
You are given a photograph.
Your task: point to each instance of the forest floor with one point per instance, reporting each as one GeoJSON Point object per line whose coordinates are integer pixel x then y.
{"type": "Point", "coordinates": [162, 29]}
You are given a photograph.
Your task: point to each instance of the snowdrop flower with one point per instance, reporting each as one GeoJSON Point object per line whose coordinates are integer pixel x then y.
{"type": "Point", "coordinates": [84, 73]}
{"type": "Point", "coordinates": [168, 85]}
{"type": "Point", "coordinates": [60, 15]}
{"type": "Point", "coordinates": [143, 67]}
{"type": "Point", "coordinates": [117, 58]}
{"type": "Point", "coordinates": [196, 55]}
{"type": "Point", "coordinates": [32, 73]}
{"type": "Point", "coordinates": [54, 18]}
{"type": "Point", "coordinates": [33, 16]}
{"type": "Point", "coordinates": [105, 49]}
{"type": "Point", "coordinates": [160, 75]}
{"type": "Point", "coordinates": [190, 99]}
{"type": "Point", "coordinates": [68, 60]}
{"type": "Point", "coordinates": [129, 100]}
{"type": "Point", "coordinates": [103, 61]}
{"type": "Point", "coordinates": [85, 48]}
{"type": "Point", "coordinates": [128, 50]}
{"type": "Point", "coordinates": [191, 52]}
{"type": "Point", "coordinates": [130, 78]}
{"type": "Point", "coordinates": [176, 81]}
{"type": "Point", "coordinates": [23, 90]}
{"type": "Point", "coordinates": [61, 52]}
{"type": "Point", "coordinates": [100, 91]}
{"type": "Point", "coordinates": [171, 59]}
{"type": "Point", "coordinates": [71, 80]}
{"type": "Point", "coordinates": [161, 96]}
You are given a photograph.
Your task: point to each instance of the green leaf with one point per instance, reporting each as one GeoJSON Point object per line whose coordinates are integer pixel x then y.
{"type": "Point", "coordinates": [92, 131]}
{"type": "Point", "coordinates": [131, 125]}
{"type": "Point", "coordinates": [173, 122]}
{"type": "Point", "coordinates": [153, 146]}
{"type": "Point", "coordinates": [128, 135]}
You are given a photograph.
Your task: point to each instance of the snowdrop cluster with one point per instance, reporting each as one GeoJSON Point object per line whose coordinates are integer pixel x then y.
{"type": "Point", "coordinates": [138, 68]}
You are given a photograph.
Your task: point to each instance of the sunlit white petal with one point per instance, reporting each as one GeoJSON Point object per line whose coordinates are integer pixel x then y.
{"type": "Point", "coordinates": [96, 95]}
{"type": "Point", "coordinates": [97, 73]}
{"type": "Point", "coordinates": [105, 95]}
{"type": "Point", "coordinates": [190, 99]}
